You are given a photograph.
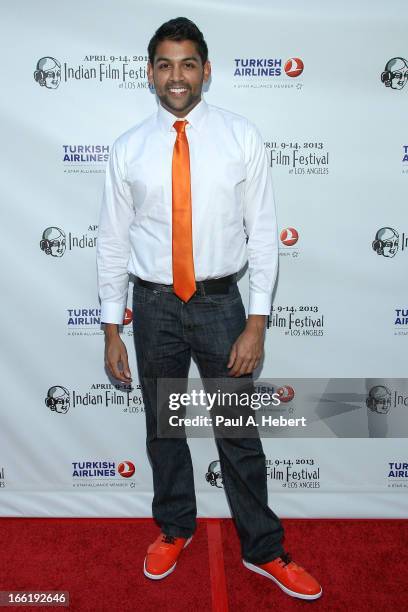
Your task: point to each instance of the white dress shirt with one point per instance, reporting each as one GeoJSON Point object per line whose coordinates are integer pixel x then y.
{"type": "Point", "coordinates": [232, 199]}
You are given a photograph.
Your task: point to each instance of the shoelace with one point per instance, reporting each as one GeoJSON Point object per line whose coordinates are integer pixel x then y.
{"type": "Point", "coordinates": [286, 558]}
{"type": "Point", "coordinates": [168, 539]}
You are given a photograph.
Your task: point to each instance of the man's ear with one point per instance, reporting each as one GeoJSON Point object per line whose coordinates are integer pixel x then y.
{"type": "Point", "coordinates": [149, 71]}
{"type": "Point", "coordinates": [207, 70]}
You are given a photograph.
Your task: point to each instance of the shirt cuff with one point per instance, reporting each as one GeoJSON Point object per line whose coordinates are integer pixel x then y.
{"type": "Point", "coordinates": [259, 303]}
{"type": "Point", "coordinates": [111, 312]}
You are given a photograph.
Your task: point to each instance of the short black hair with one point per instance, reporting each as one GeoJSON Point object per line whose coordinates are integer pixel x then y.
{"type": "Point", "coordinates": [178, 29]}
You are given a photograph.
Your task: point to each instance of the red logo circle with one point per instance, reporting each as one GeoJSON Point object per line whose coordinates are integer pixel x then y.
{"type": "Point", "coordinates": [294, 67]}
{"type": "Point", "coordinates": [128, 318]}
{"type": "Point", "coordinates": [286, 394]}
{"type": "Point", "coordinates": [126, 469]}
{"type": "Point", "coordinates": [289, 236]}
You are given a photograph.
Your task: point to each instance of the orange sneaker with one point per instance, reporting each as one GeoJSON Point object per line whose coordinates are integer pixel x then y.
{"type": "Point", "coordinates": [162, 555]}
{"type": "Point", "coordinates": [289, 576]}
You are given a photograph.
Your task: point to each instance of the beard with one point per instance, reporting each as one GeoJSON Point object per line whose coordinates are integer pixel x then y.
{"type": "Point", "coordinates": [185, 103]}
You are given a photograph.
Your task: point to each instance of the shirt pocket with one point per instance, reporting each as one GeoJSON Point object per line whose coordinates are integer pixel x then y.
{"type": "Point", "coordinates": [148, 194]}
{"type": "Point", "coordinates": [227, 190]}
{"type": "Point", "coordinates": [235, 172]}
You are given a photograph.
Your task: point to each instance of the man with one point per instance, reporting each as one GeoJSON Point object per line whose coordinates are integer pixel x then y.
{"type": "Point", "coordinates": [188, 200]}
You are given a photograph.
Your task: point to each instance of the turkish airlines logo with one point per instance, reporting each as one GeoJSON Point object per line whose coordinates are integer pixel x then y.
{"type": "Point", "coordinates": [294, 67]}
{"type": "Point", "coordinates": [289, 236]}
{"type": "Point", "coordinates": [286, 394]}
{"type": "Point", "coordinates": [126, 469]}
{"type": "Point", "coordinates": [128, 318]}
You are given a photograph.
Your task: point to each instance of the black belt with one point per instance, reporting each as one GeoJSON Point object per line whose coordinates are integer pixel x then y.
{"type": "Point", "coordinates": [206, 287]}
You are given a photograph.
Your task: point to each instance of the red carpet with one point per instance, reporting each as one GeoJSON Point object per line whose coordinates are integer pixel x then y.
{"type": "Point", "coordinates": [360, 563]}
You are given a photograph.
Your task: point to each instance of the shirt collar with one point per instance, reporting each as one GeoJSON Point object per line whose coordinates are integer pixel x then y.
{"type": "Point", "coordinates": [195, 117]}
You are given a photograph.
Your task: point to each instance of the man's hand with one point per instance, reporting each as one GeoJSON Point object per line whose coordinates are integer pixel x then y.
{"type": "Point", "coordinates": [247, 350]}
{"type": "Point", "coordinates": [116, 358]}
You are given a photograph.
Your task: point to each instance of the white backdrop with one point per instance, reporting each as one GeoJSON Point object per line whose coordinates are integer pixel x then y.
{"type": "Point", "coordinates": [73, 445]}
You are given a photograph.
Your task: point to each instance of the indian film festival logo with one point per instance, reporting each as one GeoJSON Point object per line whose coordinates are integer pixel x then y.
{"type": "Point", "coordinates": [387, 242]}
{"type": "Point", "coordinates": [102, 473]}
{"type": "Point", "coordinates": [298, 157]}
{"type": "Point", "coordinates": [129, 400]}
{"type": "Point", "coordinates": [268, 72]}
{"type": "Point", "coordinates": [294, 473]}
{"type": "Point", "coordinates": [58, 399]}
{"type": "Point", "coordinates": [214, 476]}
{"type": "Point", "coordinates": [54, 241]}
{"type": "Point", "coordinates": [48, 72]}
{"type": "Point", "coordinates": [395, 73]}
{"type": "Point", "coordinates": [381, 399]}
{"type": "Point", "coordinates": [126, 71]}
{"type": "Point", "coordinates": [297, 320]}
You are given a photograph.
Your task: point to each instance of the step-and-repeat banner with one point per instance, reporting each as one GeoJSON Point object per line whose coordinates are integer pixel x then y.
{"type": "Point", "coordinates": [327, 87]}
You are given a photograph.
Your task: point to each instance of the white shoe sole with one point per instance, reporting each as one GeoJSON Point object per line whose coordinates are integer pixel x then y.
{"type": "Point", "coordinates": [259, 570]}
{"type": "Point", "coordinates": [169, 571]}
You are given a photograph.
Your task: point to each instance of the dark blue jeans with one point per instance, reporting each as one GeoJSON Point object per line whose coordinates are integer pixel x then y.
{"type": "Point", "coordinates": [167, 332]}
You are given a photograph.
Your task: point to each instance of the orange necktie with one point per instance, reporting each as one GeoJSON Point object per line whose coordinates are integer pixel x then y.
{"type": "Point", "coordinates": [183, 265]}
